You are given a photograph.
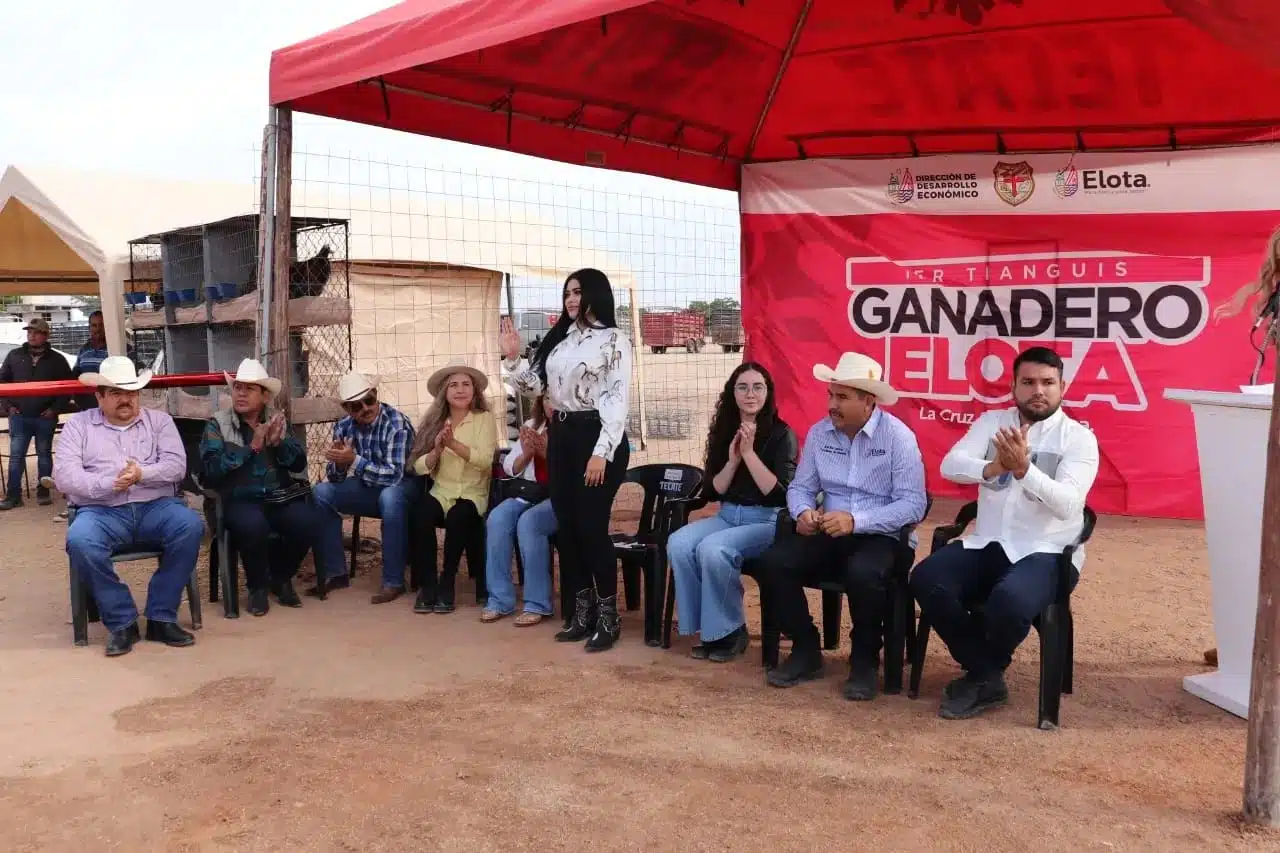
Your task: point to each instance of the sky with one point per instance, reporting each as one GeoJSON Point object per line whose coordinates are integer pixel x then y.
{"type": "Point", "coordinates": [178, 89]}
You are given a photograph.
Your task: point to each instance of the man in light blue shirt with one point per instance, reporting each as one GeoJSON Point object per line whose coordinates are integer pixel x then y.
{"type": "Point", "coordinates": [866, 465]}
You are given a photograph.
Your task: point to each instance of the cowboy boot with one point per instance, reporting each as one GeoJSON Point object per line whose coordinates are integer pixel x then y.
{"type": "Point", "coordinates": [608, 627]}
{"type": "Point", "coordinates": [584, 618]}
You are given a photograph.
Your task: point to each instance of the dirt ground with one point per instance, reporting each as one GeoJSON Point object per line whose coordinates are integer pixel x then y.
{"type": "Point", "coordinates": [347, 727]}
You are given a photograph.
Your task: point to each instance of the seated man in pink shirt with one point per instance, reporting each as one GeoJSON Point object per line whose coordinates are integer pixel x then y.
{"type": "Point", "coordinates": [120, 465]}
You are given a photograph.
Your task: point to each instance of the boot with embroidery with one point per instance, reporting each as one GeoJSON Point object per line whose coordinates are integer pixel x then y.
{"type": "Point", "coordinates": [608, 626]}
{"type": "Point", "coordinates": [584, 618]}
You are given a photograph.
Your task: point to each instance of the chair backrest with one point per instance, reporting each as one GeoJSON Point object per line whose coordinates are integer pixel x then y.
{"type": "Point", "coordinates": [944, 533]}
{"type": "Point", "coordinates": [191, 430]}
{"type": "Point", "coordinates": [662, 483]}
{"type": "Point", "coordinates": [1090, 522]}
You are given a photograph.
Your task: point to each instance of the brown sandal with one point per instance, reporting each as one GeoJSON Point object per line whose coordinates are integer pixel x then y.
{"type": "Point", "coordinates": [491, 616]}
{"type": "Point", "coordinates": [526, 619]}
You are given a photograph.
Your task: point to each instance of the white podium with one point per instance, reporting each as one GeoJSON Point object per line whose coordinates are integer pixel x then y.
{"type": "Point", "coordinates": [1231, 438]}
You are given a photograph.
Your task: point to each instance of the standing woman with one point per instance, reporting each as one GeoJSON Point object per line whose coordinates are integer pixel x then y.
{"type": "Point", "coordinates": [584, 368]}
{"type": "Point", "coordinates": [454, 447]}
{"type": "Point", "coordinates": [751, 459]}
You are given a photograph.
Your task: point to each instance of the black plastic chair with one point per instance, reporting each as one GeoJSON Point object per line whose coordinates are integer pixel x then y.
{"type": "Point", "coordinates": [666, 487]}
{"type": "Point", "coordinates": [224, 558]}
{"type": "Point", "coordinates": [899, 629]}
{"type": "Point", "coordinates": [84, 609]}
{"type": "Point", "coordinates": [1055, 623]}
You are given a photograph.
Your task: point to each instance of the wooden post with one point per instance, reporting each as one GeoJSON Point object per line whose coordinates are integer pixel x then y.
{"type": "Point", "coordinates": [283, 256]}
{"type": "Point", "coordinates": [637, 357]}
{"type": "Point", "coordinates": [266, 234]}
{"type": "Point", "coordinates": [1262, 752]}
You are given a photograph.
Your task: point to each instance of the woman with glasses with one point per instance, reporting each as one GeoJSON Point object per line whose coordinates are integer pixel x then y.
{"type": "Point", "coordinates": [751, 458]}
{"type": "Point", "coordinates": [584, 367]}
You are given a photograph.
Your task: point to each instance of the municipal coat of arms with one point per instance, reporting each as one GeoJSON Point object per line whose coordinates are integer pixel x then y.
{"type": "Point", "coordinates": [1015, 182]}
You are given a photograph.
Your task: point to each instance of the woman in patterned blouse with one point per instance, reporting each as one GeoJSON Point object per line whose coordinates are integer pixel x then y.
{"type": "Point", "coordinates": [584, 368]}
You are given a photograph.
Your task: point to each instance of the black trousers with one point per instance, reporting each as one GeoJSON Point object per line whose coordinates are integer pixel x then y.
{"type": "Point", "coordinates": [463, 532]}
{"type": "Point", "coordinates": [861, 562]}
{"type": "Point", "coordinates": [268, 560]}
{"type": "Point", "coordinates": [582, 511]}
{"type": "Point", "coordinates": [983, 606]}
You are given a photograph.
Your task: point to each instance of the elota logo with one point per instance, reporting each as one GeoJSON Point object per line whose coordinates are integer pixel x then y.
{"type": "Point", "coordinates": [1101, 180]}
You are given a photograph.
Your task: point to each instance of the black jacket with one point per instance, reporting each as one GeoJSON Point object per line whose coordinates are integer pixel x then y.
{"type": "Point", "coordinates": [19, 367]}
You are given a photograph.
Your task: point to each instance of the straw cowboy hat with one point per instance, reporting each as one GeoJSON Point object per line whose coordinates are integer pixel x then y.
{"type": "Point", "coordinates": [353, 386]}
{"type": "Point", "coordinates": [437, 380]}
{"type": "Point", "coordinates": [251, 372]}
{"type": "Point", "coordinates": [116, 371]}
{"type": "Point", "coordinates": [858, 371]}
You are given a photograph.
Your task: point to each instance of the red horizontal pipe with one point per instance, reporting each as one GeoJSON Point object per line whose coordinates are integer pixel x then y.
{"type": "Point", "coordinates": [75, 386]}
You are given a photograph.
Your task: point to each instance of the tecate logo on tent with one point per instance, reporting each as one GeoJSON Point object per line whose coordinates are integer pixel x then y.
{"type": "Point", "coordinates": [1069, 181]}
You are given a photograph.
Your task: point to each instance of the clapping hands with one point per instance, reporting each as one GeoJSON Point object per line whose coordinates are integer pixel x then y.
{"type": "Point", "coordinates": [533, 441]}
{"type": "Point", "coordinates": [1012, 451]}
{"type": "Point", "coordinates": [444, 436]}
{"type": "Point", "coordinates": [341, 454]}
{"type": "Point", "coordinates": [746, 440]}
{"type": "Point", "coordinates": [275, 429]}
{"type": "Point", "coordinates": [129, 475]}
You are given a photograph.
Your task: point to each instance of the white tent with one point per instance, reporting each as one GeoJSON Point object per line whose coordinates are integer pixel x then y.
{"type": "Point", "coordinates": [69, 232]}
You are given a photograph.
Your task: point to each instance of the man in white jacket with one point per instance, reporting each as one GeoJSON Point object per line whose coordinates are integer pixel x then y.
{"type": "Point", "coordinates": [1034, 467]}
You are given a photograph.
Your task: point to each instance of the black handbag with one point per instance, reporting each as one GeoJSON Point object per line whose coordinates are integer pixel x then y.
{"type": "Point", "coordinates": [528, 490]}
{"type": "Point", "coordinates": [296, 490]}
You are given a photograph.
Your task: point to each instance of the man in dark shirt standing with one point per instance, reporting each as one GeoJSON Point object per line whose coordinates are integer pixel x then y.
{"type": "Point", "coordinates": [91, 356]}
{"type": "Point", "coordinates": [32, 417]}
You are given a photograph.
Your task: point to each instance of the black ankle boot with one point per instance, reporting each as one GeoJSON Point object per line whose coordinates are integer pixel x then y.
{"type": "Point", "coordinates": [584, 618]}
{"type": "Point", "coordinates": [608, 627]}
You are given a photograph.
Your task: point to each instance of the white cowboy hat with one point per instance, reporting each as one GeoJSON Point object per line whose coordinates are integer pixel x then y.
{"type": "Point", "coordinates": [858, 371]}
{"type": "Point", "coordinates": [117, 371]}
{"type": "Point", "coordinates": [438, 378]}
{"type": "Point", "coordinates": [251, 372]}
{"type": "Point", "coordinates": [353, 386]}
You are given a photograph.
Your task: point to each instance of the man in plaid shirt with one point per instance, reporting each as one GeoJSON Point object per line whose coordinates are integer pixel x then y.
{"type": "Point", "coordinates": [365, 476]}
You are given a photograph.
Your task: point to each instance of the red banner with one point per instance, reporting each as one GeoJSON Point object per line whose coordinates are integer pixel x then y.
{"type": "Point", "coordinates": [944, 269]}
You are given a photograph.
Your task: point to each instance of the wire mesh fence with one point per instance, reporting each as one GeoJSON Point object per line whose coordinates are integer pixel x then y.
{"type": "Point", "coordinates": [438, 257]}
{"type": "Point", "coordinates": [196, 288]}
{"type": "Point", "coordinates": [143, 344]}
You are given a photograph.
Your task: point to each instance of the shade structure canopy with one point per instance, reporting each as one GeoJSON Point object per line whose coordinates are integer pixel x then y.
{"type": "Point", "coordinates": [694, 89]}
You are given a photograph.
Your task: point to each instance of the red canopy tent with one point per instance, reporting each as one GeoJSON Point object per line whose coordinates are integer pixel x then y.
{"type": "Point", "coordinates": [693, 89]}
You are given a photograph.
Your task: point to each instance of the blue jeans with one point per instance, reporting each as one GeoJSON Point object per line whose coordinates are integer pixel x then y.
{"type": "Point", "coordinates": [706, 563]}
{"type": "Point", "coordinates": [98, 531]}
{"type": "Point", "coordinates": [21, 430]}
{"type": "Point", "coordinates": [531, 526]}
{"type": "Point", "coordinates": [353, 497]}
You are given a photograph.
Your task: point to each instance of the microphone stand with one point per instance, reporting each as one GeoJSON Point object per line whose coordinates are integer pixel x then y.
{"type": "Point", "coordinates": [1267, 341]}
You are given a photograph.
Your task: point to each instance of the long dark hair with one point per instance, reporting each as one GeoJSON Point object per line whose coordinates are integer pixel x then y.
{"type": "Point", "coordinates": [727, 418]}
{"type": "Point", "coordinates": [597, 300]}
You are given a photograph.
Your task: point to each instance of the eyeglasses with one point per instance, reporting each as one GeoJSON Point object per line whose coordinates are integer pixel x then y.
{"type": "Point", "coordinates": [360, 405]}
{"type": "Point", "coordinates": [754, 388]}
